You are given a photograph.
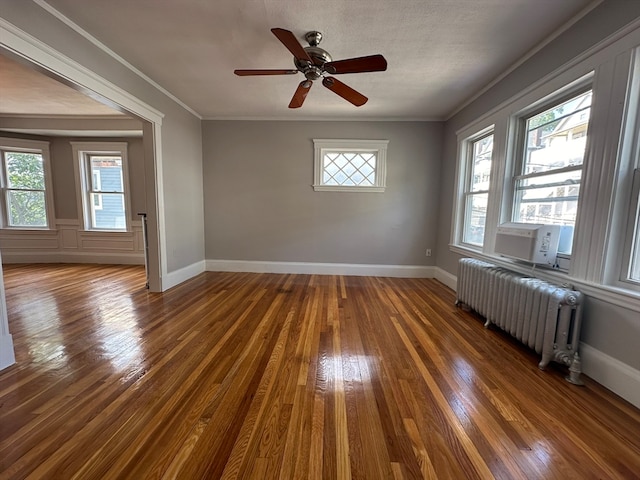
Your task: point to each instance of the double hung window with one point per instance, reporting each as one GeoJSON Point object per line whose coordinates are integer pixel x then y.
{"type": "Point", "coordinates": [547, 185]}
{"type": "Point", "coordinates": [101, 169]}
{"type": "Point", "coordinates": [26, 185]}
{"type": "Point", "coordinates": [479, 151]}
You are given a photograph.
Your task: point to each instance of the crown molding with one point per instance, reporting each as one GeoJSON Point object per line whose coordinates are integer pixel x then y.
{"type": "Point", "coordinates": [90, 38]}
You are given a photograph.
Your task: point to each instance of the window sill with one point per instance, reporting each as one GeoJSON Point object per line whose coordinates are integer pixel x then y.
{"type": "Point", "coordinates": [27, 231]}
{"type": "Point", "coordinates": [338, 188]}
{"type": "Point", "coordinates": [107, 232]}
{"type": "Point", "coordinates": [620, 297]}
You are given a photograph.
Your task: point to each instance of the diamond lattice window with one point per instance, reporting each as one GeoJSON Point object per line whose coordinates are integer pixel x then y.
{"type": "Point", "coordinates": [350, 165]}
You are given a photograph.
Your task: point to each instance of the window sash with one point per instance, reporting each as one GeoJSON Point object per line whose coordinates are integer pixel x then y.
{"type": "Point", "coordinates": [476, 188]}
{"type": "Point", "coordinates": [102, 182]}
{"type": "Point", "coordinates": [631, 264]}
{"type": "Point", "coordinates": [536, 192]}
{"type": "Point", "coordinates": [341, 165]}
{"type": "Point", "coordinates": [17, 195]}
{"type": "Point", "coordinates": [351, 168]}
{"type": "Point", "coordinates": [99, 216]}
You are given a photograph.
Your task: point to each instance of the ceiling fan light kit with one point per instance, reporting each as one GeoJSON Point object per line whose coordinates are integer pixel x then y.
{"type": "Point", "coordinates": [315, 63]}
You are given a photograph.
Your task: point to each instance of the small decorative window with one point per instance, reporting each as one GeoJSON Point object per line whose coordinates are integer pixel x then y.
{"type": "Point", "coordinates": [350, 165]}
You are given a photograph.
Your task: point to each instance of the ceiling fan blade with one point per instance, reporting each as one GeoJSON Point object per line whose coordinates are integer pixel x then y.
{"type": "Point", "coordinates": [345, 91]}
{"type": "Point", "coordinates": [301, 94]}
{"type": "Point", "coordinates": [372, 63]}
{"type": "Point", "coordinates": [245, 73]}
{"type": "Point", "coordinates": [290, 41]}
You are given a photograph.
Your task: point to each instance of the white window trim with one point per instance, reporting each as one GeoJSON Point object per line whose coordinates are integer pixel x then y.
{"type": "Point", "coordinates": [322, 146]}
{"type": "Point", "coordinates": [80, 152]}
{"type": "Point", "coordinates": [626, 208]}
{"type": "Point", "coordinates": [37, 146]}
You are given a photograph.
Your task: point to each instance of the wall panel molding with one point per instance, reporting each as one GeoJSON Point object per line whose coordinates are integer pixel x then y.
{"type": "Point", "coordinates": [68, 243]}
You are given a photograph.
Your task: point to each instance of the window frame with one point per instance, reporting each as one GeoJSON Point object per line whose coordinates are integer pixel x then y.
{"type": "Point", "coordinates": [520, 157]}
{"type": "Point", "coordinates": [26, 146]}
{"type": "Point", "coordinates": [625, 224]}
{"type": "Point", "coordinates": [631, 248]}
{"type": "Point", "coordinates": [82, 153]}
{"type": "Point", "coordinates": [466, 163]}
{"type": "Point", "coordinates": [324, 146]}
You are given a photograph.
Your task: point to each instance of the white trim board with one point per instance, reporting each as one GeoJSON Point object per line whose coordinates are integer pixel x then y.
{"type": "Point", "coordinates": [615, 375]}
{"type": "Point", "coordinates": [74, 257]}
{"type": "Point", "coordinates": [446, 278]}
{"type": "Point", "coordinates": [400, 271]}
{"type": "Point", "coordinates": [7, 356]}
{"type": "Point", "coordinates": [176, 277]}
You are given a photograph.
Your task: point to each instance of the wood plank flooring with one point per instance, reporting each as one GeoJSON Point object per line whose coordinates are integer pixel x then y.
{"type": "Point", "coordinates": [236, 375]}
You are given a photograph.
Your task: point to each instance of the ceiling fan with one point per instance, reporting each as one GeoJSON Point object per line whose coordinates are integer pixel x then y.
{"type": "Point", "coordinates": [316, 63]}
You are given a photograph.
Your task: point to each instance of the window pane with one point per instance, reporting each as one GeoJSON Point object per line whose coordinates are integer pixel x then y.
{"type": "Point", "coordinates": [107, 212]}
{"type": "Point", "coordinates": [481, 163]}
{"type": "Point", "coordinates": [548, 199]}
{"type": "Point", "coordinates": [25, 170]}
{"type": "Point", "coordinates": [633, 266]}
{"type": "Point", "coordinates": [553, 211]}
{"type": "Point", "coordinates": [634, 271]}
{"type": "Point", "coordinates": [106, 174]}
{"type": "Point", "coordinates": [475, 216]}
{"type": "Point", "coordinates": [557, 137]}
{"type": "Point", "coordinates": [26, 209]}
{"type": "Point", "coordinates": [349, 169]}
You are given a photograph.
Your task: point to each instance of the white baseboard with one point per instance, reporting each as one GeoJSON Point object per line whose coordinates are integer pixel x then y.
{"type": "Point", "coordinates": [74, 257]}
{"type": "Point", "coordinates": [7, 356]}
{"type": "Point", "coordinates": [618, 377]}
{"type": "Point", "coordinates": [182, 275]}
{"type": "Point", "coordinates": [400, 271]}
{"type": "Point", "coordinates": [446, 278]}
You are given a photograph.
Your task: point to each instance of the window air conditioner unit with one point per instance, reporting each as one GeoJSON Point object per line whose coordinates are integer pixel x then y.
{"type": "Point", "coordinates": [531, 242]}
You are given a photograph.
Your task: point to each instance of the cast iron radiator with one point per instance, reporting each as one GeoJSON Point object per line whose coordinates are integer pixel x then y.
{"type": "Point", "coordinates": [541, 315]}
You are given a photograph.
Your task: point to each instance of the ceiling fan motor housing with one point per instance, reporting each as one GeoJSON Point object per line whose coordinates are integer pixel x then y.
{"type": "Point", "coordinates": [319, 56]}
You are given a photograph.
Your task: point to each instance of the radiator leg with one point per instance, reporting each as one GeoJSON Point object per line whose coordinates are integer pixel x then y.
{"type": "Point", "coordinates": [546, 358]}
{"type": "Point", "coordinates": [487, 323]}
{"type": "Point", "coordinates": [575, 369]}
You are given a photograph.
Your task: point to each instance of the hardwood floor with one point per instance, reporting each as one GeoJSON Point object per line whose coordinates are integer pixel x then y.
{"type": "Point", "coordinates": [235, 375]}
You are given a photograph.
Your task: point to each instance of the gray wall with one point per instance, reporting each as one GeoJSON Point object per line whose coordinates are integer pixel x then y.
{"type": "Point", "coordinates": [259, 203]}
{"type": "Point", "coordinates": [181, 152]}
{"type": "Point", "coordinates": [608, 328]}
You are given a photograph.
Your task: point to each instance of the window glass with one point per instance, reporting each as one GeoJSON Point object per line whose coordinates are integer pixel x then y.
{"type": "Point", "coordinates": [479, 155]}
{"type": "Point", "coordinates": [25, 194]}
{"type": "Point", "coordinates": [349, 168]}
{"type": "Point", "coordinates": [350, 165]}
{"type": "Point", "coordinates": [106, 193]}
{"type": "Point", "coordinates": [547, 190]}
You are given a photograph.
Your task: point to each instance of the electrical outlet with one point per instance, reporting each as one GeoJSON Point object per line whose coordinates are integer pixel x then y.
{"type": "Point", "coordinates": [428, 252]}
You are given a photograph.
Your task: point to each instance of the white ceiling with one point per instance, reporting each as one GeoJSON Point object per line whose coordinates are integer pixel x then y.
{"type": "Point", "coordinates": [440, 53]}
{"type": "Point", "coordinates": [24, 91]}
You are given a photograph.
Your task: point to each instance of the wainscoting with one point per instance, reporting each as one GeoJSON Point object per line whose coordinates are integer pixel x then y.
{"type": "Point", "coordinates": [69, 243]}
